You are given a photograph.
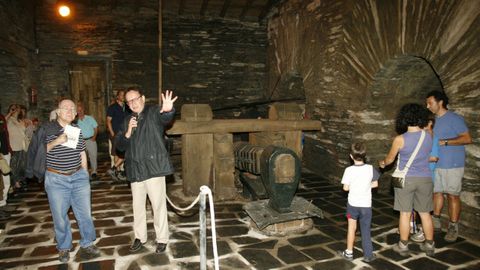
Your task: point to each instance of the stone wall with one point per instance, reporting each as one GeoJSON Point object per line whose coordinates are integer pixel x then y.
{"type": "Point", "coordinates": [124, 38]}
{"type": "Point", "coordinates": [17, 52]}
{"type": "Point", "coordinates": [361, 60]}
{"type": "Point", "coordinates": [205, 60]}
{"type": "Point", "coordinates": [213, 61]}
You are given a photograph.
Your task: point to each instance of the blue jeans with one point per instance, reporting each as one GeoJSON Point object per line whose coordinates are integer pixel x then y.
{"type": "Point", "coordinates": [70, 191]}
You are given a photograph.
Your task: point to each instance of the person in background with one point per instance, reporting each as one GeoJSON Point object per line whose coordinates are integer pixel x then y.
{"type": "Point", "coordinates": [18, 141]}
{"type": "Point", "coordinates": [147, 162]}
{"type": "Point", "coordinates": [453, 135]}
{"type": "Point", "coordinates": [358, 180]}
{"type": "Point", "coordinates": [116, 113]}
{"type": "Point", "coordinates": [419, 236]}
{"type": "Point", "coordinates": [5, 151]}
{"type": "Point", "coordinates": [53, 113]}
{"type": "Point", "coordinates": [417, 192]}
{"type": "Point", "coordinates": [89, 128]}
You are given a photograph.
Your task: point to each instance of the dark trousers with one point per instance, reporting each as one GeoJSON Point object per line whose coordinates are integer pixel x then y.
{"type": "Point", "coordinates": [363, 215]}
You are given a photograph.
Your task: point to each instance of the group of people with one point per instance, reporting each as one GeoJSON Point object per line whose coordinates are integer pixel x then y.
{"type": "Point", "coordinates": [16, 132]}
{"type": "Point", "coordinates": [436, 170]}
{"type": "Point", "coordinates": [137, 144]}
{"type": "Point", "coordinates": [58, 153]}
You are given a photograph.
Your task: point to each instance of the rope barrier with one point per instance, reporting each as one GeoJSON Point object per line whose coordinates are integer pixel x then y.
{"type": "Point", "coordinates": [186, 208]}
{"type": "Point", "coordinates": [204, 191]}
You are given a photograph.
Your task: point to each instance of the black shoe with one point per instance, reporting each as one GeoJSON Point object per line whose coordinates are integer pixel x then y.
{"type": "Point", "coordinates": [93, 176]}
{"type": "Point", "coordinates": [121, 176]}
{"type": "Point", "coordinates": [89, 252]}
{"type": "Point", "coordinates": [136, 245]}
{"type": "Point", "coordinates": [113, 173]}
{"type": "Point", "coordinates": [369, 259]}
{"type": "Point", "coordinates": [160, 247]}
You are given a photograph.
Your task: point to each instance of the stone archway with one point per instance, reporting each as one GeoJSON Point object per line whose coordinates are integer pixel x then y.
{"type": "Point", "coordinates": [402, 80]}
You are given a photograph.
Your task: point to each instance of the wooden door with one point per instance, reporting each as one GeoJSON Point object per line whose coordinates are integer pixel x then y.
{"type": "Point", "coordinates": [88, 84]}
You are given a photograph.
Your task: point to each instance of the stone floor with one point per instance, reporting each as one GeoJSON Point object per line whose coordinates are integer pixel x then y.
{"type": "Point", "coordinates": [27, 239]}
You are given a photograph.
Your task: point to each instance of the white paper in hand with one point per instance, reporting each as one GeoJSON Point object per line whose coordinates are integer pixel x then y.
{"type": "Point", "coordinates": [73, 135]}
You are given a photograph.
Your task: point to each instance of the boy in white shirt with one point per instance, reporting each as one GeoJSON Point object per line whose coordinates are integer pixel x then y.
{"type": "Point", "coordinates": [358, 180]}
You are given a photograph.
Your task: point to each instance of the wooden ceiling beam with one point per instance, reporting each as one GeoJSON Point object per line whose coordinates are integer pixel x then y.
{"type": "Point", "coordinates": [226, 4]}
{"type": "Point", "coordinates": [181, 7]}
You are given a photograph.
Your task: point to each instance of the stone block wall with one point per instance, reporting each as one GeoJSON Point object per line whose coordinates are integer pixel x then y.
{"type": "Point", "coordinates": [121, 36]}
{"type": "Point", "coordinates": [17, 52]}
{"type": "Point", "coordinates": [213, 61]}
{"type": "Point", "coordinates": [361, 60]}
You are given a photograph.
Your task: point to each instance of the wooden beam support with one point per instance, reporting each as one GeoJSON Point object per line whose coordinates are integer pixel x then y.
{"type": "Point", "coordinates": [181, 8]}
{"type": "Point", "coordinates": [241, 125]}
{"type": "Point", "coordinates": [204, 8]}
{"type": "Point", "coordinates": [245, 9]}
{"type": "Point", "coordinates": [226, 4]}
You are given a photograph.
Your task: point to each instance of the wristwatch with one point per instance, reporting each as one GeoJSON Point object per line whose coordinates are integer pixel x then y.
{"type": "Point", "coordinates": [445, 142]}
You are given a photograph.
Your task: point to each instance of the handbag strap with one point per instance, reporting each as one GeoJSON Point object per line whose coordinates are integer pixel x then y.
{"type": "Point", "coordinates": [414, 154]}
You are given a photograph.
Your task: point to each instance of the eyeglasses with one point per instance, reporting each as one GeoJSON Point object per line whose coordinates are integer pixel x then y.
{"type": "Point", "coordinates": [72, 110]}
{"type": "Point", "coordinates": [131, 101]}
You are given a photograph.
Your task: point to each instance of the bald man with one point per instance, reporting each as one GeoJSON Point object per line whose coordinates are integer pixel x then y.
{"type": "Point", "coordinates": [67, 183]}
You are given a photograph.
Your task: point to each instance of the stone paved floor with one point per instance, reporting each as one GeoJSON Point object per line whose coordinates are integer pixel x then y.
{"type": "Point", "coordinates": [27, 237]}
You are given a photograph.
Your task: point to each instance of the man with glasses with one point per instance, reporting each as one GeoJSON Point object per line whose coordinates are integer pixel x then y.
{"type": "Point", "coordinates": [67, 183]}
{"type": "Point", "coordinates": [147, 162]}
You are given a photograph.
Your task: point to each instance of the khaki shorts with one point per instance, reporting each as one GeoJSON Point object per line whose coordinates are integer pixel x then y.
{"type": "Point", "coordinates": [417, 194]}
{"type": "Point", "coordinates": [448, 180]}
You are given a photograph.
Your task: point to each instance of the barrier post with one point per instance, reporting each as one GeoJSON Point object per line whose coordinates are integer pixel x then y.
{"type": "Point", "coordinates": [203, 232]}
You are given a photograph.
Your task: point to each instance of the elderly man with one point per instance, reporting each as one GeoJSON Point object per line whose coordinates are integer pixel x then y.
{"type": "Point", "coordinates": [67, 183]}
{"type": "Point", "coordinates": [89, 128]}
{"type": "Point", "coordinates": [147, 163]}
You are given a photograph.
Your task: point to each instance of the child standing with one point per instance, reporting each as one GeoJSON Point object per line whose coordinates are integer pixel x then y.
{"type": "Point", "coordinates": [358, 180]}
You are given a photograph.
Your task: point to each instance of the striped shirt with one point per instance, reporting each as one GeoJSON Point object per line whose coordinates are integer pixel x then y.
{"type": "Point", "coordinates": [62, 158]}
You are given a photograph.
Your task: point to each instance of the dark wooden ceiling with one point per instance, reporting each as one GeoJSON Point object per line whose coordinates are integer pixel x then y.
{"type": "Point", "coordinates": [242, 10]}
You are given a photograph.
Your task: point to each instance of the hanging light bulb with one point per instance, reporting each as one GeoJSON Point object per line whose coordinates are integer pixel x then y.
{"type": "Point", "coordinates": [63, 10]}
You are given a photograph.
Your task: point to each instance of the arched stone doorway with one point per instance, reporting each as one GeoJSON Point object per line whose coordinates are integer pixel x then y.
{"type": "Point", "coordinates": [401, 80]}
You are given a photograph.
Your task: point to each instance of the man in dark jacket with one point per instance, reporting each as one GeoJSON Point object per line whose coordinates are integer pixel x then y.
{"type": "Point", "coordinates": [147, 162]}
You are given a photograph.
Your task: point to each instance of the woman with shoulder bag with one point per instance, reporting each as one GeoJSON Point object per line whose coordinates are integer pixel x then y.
{"type": "Point", "coordinates": [413, 147]}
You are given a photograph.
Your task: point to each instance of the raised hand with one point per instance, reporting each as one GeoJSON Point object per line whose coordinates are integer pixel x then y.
{"type": "Point", "coordinates": [167, 101]}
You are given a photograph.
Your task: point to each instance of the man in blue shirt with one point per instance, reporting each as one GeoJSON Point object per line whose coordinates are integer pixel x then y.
{"type": "Point", "coordinates": [89, 128]}
{"type": "Point", "coordinates": [453, 135]}
{"type": "Point", "coordinates": [116, 113]}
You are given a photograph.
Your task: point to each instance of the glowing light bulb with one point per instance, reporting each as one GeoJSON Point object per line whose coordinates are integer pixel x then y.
{"type": "Point", "coordinates": [64, 11]}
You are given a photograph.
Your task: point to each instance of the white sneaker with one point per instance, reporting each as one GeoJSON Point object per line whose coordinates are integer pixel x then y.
{"type": "Point", "coordinates": [418, 237]}
{"type": "Point", "coordinates": [401, 249]}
